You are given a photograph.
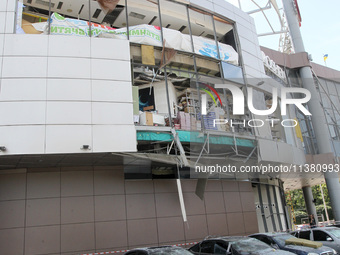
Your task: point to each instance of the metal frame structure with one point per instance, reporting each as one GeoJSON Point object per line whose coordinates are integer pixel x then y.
{"type": "Point", "coordinates": [285, 42]}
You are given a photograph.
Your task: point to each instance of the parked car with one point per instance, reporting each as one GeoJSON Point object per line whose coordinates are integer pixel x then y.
{"type": "Point", "coordinates": [162, 250]}
{"type": "Point", "coordinates": [278, 241]}
{"type": "Point", "coordinates": [329, 236]}
{"type": "Point", "coordinates": [233, 245]}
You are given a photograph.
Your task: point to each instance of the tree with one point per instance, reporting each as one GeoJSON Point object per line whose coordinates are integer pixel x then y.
{"type": "Point", "coordinates": [320, 209]}
{"type": "Point", "coordinates": [300, 216]}
{"type": "Point", "coordinates": [296, 200]}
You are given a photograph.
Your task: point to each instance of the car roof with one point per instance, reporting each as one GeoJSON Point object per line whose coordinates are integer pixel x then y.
{"type": "Point", "coordinates": [335, 225]}
{"type": "Point", "coordinates": [271, 234]}
{"type": "Point", "coordinates": [317, 228]}
{"type": "Point", "coordinates": [227, 238]}
{"type": "Point", "coordinates": [325, 228]}
{"type": "Point", "coordinates": [156, 247]}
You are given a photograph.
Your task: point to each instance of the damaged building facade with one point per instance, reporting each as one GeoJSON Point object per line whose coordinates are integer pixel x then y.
{"type": "Point", "coordinates": [107, 110]}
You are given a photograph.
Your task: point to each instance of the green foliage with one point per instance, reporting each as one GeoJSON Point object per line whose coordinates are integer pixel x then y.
{"type": "Point", "coordinates": [321, 210]}
{"type": "Point", "coordinates": [296, 200]}
{"type": "Point", "coordinates": [317, 194]}
{"type": "Point", "coordinates": [299, 216]}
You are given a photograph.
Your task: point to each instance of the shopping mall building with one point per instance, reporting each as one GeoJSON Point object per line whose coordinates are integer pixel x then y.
{"type": "Point", "coordinates": [107, 110]}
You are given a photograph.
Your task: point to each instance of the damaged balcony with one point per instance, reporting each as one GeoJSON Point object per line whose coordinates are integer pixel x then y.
{"type": "Point", "coordinates": [157, 132]}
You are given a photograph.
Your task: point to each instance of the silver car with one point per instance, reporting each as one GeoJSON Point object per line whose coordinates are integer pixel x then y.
{"type": "Point", "coordinates": [234, 245]}
{"type": "Point", "coordinates": [278, 240]}
{"type": "Point", "coordinates": [161, 250]}
{"type": "Point", "coordinates": [328, 236]}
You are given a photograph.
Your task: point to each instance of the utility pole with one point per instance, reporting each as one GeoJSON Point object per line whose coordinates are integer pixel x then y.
{"type": "Point", "coordinates": [324, 204]}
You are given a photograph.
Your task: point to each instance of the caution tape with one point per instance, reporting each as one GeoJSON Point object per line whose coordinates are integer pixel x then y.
{"type": "Point", "coordinates": [106, 252]}
{"type": "Point", "coordinates": [184, 244]}
{"type": "Point", "coordinates": [123, 251]}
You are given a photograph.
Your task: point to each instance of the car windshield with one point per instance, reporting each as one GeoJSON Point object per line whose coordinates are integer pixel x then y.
{"type": "Point", "coordinates": [249, 245]}
{"type": "Point", "coordinates": [335, 232]}
{"type": "Point", "coordinates": [281, 239]}
{"type": "Point", "coordinates": [170, 251]}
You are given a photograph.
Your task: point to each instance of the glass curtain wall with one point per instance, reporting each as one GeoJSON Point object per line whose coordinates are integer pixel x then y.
{"type": "Point", "coordinates": [308, 141]}
{"type": "Point", "coordinates": [330, 98]}
{"type": "Point", "coordinates": [179, 64]}
{"type": "Point", "coordinates": [189, 62]}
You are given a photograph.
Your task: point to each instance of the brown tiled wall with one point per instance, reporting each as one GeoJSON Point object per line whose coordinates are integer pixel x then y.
{"type": "Point", "coordinates": [82, 210]}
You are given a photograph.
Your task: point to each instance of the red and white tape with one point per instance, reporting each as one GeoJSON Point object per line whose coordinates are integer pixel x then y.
{"type": "Point", "coordinates": [123, 251]}
{"type": "Point", "coordinates": [184, 244]}
{"type": "Point", "coordinates": [105, 252]}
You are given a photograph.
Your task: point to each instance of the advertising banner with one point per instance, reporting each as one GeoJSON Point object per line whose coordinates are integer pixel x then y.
{"type": "Point", "coordinates": [142, 34]}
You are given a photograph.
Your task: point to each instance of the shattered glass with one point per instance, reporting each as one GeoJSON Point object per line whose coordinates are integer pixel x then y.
{"type": "Point", "coordinates": [169, 251]}
{"type": "Point", "coordinates": [251, 246]}
{"type": "Point", "coordinates": [281, 239]}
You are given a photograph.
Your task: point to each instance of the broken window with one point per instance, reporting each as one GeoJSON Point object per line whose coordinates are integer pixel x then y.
{"type": "Point", "coordinates": [76, 18]}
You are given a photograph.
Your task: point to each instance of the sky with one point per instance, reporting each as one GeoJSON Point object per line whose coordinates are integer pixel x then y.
{"type": "Point", "coordinates": [320, 28]}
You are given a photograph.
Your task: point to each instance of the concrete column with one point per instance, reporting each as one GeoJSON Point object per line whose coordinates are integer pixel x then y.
{"type": "Point", "coordinates": [318, 116]}
{"type": "Point", "coordinates": [310, 206]}
{"type": "Point", "coordinates": [333, 186]}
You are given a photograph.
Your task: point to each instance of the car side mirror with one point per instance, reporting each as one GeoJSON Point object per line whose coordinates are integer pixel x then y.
{"type": "Point", "coordinates": [329, 239]}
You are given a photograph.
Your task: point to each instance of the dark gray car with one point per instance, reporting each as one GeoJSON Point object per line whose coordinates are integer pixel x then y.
{"type": "Point", "coordinates": [278, 240]}
{"type": "Point", "coordinates": [234, 245]}
{"type": "Point", "coordinates": [162, 250]}
{"type": "Point", "coordinates": [329, 236]}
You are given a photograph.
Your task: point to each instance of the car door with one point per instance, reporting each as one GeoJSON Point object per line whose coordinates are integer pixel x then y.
{"type": "Point", "coordinates": [207, 247]}
{"type": "Point", "coordinates": [304, 234]}
{"type": "Point", "coordinates": [211, 247]}
{"type": "Point", "coordinates": [324, 238]}
{"type": "Point", "coordinates": [221, 248]}
{"type": "Point", "coordinates": [195, 249]}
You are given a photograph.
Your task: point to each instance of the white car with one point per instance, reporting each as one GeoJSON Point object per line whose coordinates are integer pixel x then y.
{"type": "Point", "coordinates": [328, 236]}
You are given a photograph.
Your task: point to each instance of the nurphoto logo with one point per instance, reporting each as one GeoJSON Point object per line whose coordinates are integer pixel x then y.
{"type": "Point", "coordinates": [239, 103]}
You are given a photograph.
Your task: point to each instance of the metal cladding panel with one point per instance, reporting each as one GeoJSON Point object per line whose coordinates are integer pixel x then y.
{"type": "Point", "coordinates": [67, 94]}
{"type": "Point", "coordinates": [268, 150]}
